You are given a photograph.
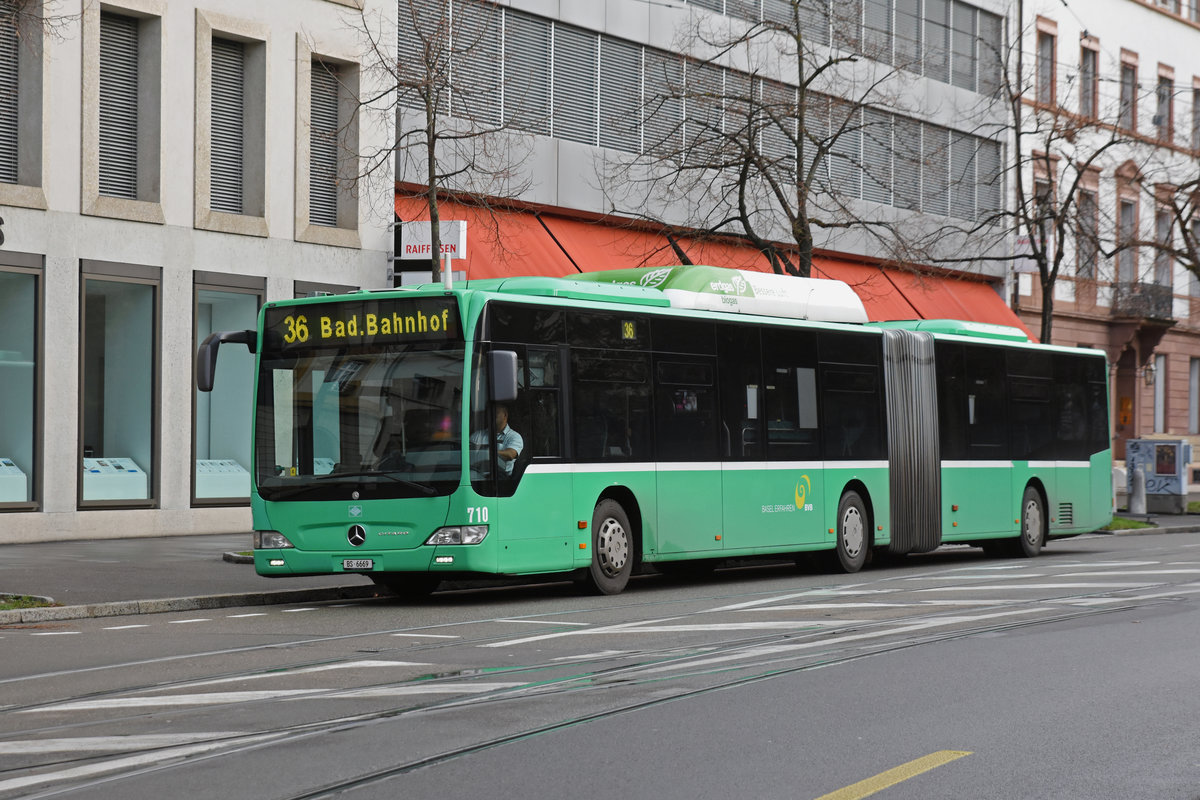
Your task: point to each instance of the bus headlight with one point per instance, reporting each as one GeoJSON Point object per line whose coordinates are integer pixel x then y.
{"type": "Point", "coordinates": [459, 534]}
{"type": "Point", "coordinates": [271, 540]}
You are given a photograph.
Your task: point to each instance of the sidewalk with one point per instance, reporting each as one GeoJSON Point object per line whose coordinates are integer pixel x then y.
{"type": "Point", "coordinates": [109, 577]}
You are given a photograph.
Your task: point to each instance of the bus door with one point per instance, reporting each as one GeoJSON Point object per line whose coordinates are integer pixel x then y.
{"type": "Point", "coordinates": [686, 454]}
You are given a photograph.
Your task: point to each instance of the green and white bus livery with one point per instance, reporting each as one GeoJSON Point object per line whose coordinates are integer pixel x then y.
{"type": "Point", "coordinates": [664, 416]}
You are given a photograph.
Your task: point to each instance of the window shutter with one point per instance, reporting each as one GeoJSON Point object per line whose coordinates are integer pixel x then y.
{"type": "Point", "coordinates": [323, 145]}
{"type": "Point", "coordinates": [964, 62]}
{"type": "Point", "coordinates": [877, 156]}
{"type": "Point", "coordinates": [962, 175]}
{"type": "Point", "coordinates": [575, 84]}
{"type": "Point", "coordinates": [989, 169]}
{"type": "Point", "coordinates": [228, 125]}
{"type": "Point", "coordinates": [907, 169]}
{"type": "Point", "coordinates": [527, 72]}
{"type": "Point", "coordinates": [9, 83]}
{"type": "Point", "coordinates": [118, 105]}
{"type": "Point", "coordinates": [475, 81]}
{"type": "Point", "coordinates": [845, 153]}
{"type": "Point", "coordinates": [703, 118]}
{"type": "Point", "coordinates": [620, 94]}
{"type": "Point", "coordinates": [935, 170]}
{"type": "Point", "coordinates": [662, 113]}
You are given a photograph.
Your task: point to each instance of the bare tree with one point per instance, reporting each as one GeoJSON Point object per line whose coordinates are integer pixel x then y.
{"type": "Point", "coordinates": [781, 131]}
{"type": "Point", "coordinates": [457, 123]}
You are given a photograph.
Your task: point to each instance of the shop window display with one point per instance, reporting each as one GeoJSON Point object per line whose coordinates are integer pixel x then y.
{"type": "Point", "coordinates": [118, 351]}
{"type": "Point", "coordinates": [223, 415]}
{"type": "Point", "coordinates": [18, 385]}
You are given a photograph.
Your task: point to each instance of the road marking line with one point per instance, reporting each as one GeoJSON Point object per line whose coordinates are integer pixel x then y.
{"type": "Point", "coordinates": [544, 622]}
{"type": "Point", "coordinates": [244, 616]}
{"type": "Point", "coordinates": [297, 610]}
{"type": "Point", "coordinates": [187, 621]}
{"type": "Point", "coordinates": [896, 775]}
{"type": "Point", "coordinates": [1013, 586]}
{"type": "Point", "coordinates": [276, 674]}
{"type": "Point", "coordinates": [125, 627]}
{"type": "Point", "coordinates": [56, 633]}
{"type": "Point", "coordinates": [116, 765]}
{"type": "Point", "coordinates": [109, 744]}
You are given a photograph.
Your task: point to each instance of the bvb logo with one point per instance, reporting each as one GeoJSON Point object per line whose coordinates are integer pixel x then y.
{"type": "Point", "coordinates": [802, 491]}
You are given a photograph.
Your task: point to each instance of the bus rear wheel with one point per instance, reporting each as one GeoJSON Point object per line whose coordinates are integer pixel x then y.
{"type": "Point", "coordinates": [612, 548]}
{"type": "Point", "coordinates": [407, 585]}
{"type": "Point", "coordinates": [853, 533]}
{"type": "Point", "coordinates": [1033, 524]}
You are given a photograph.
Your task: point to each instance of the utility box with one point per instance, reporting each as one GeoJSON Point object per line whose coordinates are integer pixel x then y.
{"type": "Point", "coordinates": [1164, 462]}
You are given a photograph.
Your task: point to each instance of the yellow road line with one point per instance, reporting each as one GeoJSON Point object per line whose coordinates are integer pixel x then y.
{"type": "Point", "coordinates": [895, 775]}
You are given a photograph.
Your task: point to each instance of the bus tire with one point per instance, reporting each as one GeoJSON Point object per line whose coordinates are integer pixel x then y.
{"type": "Point", "coordinates": [612, 548]}
{"type": "Point", "coordinates": [407, 585]}
{"type": "Point", "coordinates": [1033, 524]}
{"type": "Point", "coordinates": [853, 533]}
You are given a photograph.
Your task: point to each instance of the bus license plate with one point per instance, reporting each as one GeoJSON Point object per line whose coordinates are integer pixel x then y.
{"type": "Point", "coordinates": [358, 563]}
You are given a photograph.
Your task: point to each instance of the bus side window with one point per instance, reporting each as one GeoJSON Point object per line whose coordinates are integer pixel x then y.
{"type": "Point", "coordinates": [610, 396]}
{"type": "Point", "coordinates": [790, 399]}
{"type": "Point", "coordinates": [739, 357]}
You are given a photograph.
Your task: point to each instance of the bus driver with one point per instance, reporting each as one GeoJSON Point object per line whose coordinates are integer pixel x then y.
{"type": "Point", "coordinates": [509, 443]}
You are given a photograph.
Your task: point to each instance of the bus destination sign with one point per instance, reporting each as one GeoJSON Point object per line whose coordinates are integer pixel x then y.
{"type": "Point", "coordinates": [362, 322]}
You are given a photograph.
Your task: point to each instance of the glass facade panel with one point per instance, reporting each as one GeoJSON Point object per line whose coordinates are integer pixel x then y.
{"type": "Point", "coordinates": [223, 415]}
{"type": "Point", "coordinates": [118, 351]}
{"type": "Point", "coordinates": [18, 385]}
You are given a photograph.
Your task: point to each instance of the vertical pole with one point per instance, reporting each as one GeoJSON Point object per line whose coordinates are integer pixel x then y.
{"type": "Point", "coordinates": [447, 278]}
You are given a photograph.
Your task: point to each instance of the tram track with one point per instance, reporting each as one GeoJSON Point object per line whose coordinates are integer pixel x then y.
{"type": "Point", "coordinates": [601, 674]}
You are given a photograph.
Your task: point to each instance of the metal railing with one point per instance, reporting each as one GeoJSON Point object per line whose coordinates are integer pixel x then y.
{"type": "Point", "coordinates": [1145, 300]}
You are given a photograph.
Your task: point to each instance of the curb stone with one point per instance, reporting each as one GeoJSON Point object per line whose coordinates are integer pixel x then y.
{"type": "Point", "coordinates": [133, 607]}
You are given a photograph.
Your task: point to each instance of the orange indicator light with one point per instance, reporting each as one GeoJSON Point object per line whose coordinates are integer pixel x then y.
{"type": "Point", "coordinates": [582, 525]}
{"type": "Point", "coordinates": [718, 537]}
{"type": "Point", "coordinates": [954, 508]}
{"type": "Point", "coordinates": [831, 530]}
{"type": "Point", "coordinates": [878, 527]}
{"type": "Point", "coordinates": [583, 545]}
{"type": "Point", "coordinates": [954, 524]}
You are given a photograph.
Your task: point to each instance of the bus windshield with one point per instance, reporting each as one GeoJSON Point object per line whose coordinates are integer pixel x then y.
{"type": "Point", "coordinates": [357, 418]}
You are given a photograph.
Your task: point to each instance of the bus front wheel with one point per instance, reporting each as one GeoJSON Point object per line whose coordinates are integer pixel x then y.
{"type": "Point", "coordinates": [1033, 524]}
{"type": "Point", "coordinates": [853, 533]}
{"type": "Point", "coordinates": [612, 548]}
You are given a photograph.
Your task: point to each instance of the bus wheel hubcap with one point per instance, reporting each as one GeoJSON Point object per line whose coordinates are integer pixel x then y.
{"type": "Point", "coordinates": [852, 532]}
{"type": "Point", "coordinates": [612, 547]}
{"type": "Point", "coordinates": [1033, 522]}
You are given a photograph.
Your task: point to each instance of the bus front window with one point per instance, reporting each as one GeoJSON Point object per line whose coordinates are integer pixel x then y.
{"type": "Point", "coordinates": [379, 421]}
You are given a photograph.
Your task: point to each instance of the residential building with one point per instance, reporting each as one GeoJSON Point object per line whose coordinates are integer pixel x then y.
{"type": "Point", "coordinates": [1116, 87]}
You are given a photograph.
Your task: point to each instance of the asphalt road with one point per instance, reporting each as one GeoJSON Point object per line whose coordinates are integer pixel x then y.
{"type": "Point", "coordinates": [952, 675]}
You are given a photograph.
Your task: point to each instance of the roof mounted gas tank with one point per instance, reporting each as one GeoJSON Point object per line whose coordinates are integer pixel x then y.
{"type": "Point", "coordinates": [736, 291]}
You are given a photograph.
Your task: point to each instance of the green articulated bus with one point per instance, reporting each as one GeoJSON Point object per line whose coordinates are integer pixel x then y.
{"type": "Point", "coordinates": [673, 417]}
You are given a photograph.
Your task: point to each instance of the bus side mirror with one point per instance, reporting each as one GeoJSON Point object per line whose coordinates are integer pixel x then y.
{"type": "Point", "coordinates": [206, 357]}
{"type": "Point", "coordinates": [504, 376]}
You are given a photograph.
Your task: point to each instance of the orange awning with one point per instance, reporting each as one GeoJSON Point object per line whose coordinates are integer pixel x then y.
{"type": "Point", "coordinates": [594, 246]}
{"type": "Point", "coordinates": [944, 297]}
{"type": "Point", "coordinates": [883, 301]}
{"type": "Point", "coordinates": [500, 244]}
{"type": "Point", "coordinates": [504, 243]}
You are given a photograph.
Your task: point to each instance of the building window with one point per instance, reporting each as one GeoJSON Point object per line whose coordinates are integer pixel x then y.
{"type": "Point", "coordinates": [21, 104]}
{"type": "Point", "coordinates": [118, 348]}
{"type": "Point", "coordinates": [20, 306]}
{"type": "Point", "coordinates": [1087, 242]}
{"type": "Point", "coordinates": [323, 145]}
{"type": "Point", "coordinates": [1126, 232]}
{"type": "Point", "coordinates": [118, 106]}
{"type": "Point", "coordinates": [1196, 117]}
{"type": "Point", "coordinates": [228, 125]}
{"type": "Point", "coordinates": [1164, 109]}
{"type": "Point", "coordinates": [1194, 396]}
{"type": "Point", "coordinates": [1045, 68]}
{"type": "Point", "coordinates": [231, 109]}
{"type": "Point", "coordinates": [122, 102]}
{"type": "Point", "coordinates": [1162, 257]}
{"type": "Point", "coordinates": [1128, 104]}
{"type": "Point", "coordinates": [1089, 82]}
{"type": "Point", "coordinates": [936, 41]}
{"type": "Point", "coordinates": [1160, 394]}
{"type": "Point", "coordinates": [963, 62]}
{"type": "Point", "coordinates": [223, 416]}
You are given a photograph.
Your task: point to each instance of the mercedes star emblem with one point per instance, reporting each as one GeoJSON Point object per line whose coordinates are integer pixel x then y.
{"type": "Point", "coordinates": [357, 535]}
